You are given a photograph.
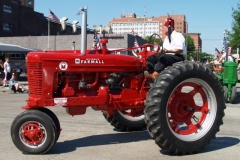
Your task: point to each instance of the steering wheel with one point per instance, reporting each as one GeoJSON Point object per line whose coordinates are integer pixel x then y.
{"type": "Point", "coordinates": [156, 47]}
{"type": "Point", "coordinates": [134, 52]}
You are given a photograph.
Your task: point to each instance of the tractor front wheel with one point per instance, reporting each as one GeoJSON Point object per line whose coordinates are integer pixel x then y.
{"type": "Point", "coordinates": [33, 132]}
{"type": "Point", "coordinates": [225, 90]}
{"type": "Point", "coordinates": [127, 120]}
{"type": "Point", "coordinates": [54, 118]}
{"type": "Point", "coordinates": [184, 108]}
{"type": "Point", "coordinates": [233, 94]}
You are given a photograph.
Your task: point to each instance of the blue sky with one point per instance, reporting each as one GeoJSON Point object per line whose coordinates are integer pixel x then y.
{"type": "Point", "coordinates": [209, 18]}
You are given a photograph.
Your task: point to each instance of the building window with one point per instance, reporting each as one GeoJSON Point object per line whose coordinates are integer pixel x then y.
{"type": "Point", "coordinates": [7, 27]}
{"type": "Point", "coordinates": [7, 8]}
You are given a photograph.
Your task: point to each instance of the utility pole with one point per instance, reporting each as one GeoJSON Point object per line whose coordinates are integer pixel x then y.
{"type": "Point", "coordinates": [144, 23]}
{"type": "Point", "coordinates": [186, 48]}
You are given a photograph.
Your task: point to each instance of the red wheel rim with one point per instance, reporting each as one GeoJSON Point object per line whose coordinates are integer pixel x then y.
{"type": "Point", "coordinates": [182, 109]}
{"type": "Point", "coordinates": [32, 133]}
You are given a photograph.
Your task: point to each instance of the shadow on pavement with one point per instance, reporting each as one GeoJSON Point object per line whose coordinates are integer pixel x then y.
{"type": "Point", "coordinates": [215, 144]}
{"type": "Point", "coordinates": [96, 140]}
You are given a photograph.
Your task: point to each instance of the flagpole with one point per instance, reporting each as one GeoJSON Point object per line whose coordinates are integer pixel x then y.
{"type": "Point", "coordinates": [48, 28]}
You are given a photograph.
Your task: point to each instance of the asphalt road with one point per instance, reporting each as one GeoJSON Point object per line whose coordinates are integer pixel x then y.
{"type": "Point", "coordinates": [90, 137]}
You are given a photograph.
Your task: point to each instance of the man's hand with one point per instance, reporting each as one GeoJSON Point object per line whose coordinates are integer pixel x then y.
{"type": "Point", "coordinates": [165, 50]}
{"type": "Point", "coordinates": [176, 51]}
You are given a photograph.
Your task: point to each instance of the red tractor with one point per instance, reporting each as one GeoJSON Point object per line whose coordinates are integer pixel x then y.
{"type": "Point", "coordinates": [182, 109]}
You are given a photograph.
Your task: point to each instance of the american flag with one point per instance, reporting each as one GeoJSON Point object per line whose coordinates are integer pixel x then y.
{"type": "Point", "coordinates": [96, 43]}
{"type": "Point", "coordinates": [53, 17]}
{"type": "Point", "coordinates": [217, 53]}
{"type": "Point", "coordinates": [225, 47]}
{"type": "Point", "coordinates": [136, 45]}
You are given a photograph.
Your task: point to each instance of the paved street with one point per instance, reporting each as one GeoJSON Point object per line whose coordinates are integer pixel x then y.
{"type": "Point", "coordinates": [90, 137]}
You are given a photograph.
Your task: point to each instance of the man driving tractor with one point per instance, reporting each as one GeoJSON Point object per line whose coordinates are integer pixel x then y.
{"type": "Point", "coordinates": [173, 47]}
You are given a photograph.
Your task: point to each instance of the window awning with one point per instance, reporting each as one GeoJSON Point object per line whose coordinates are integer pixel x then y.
{"type": "Point", "coordinates": [10, 48]}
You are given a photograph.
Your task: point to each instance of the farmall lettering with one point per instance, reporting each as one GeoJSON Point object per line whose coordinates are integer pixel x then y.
{"type": "Point", "coordinates": [89, 61]}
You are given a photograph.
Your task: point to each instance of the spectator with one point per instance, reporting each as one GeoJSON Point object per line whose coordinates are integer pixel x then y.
{"type": "Point", "coordinates": [222, 58]}
{"type": "Point", "coordinates": [14, 85]}
{"type": "Point", "coordinates": [7, 72]}
{"type": "Point", "coordinates": [1, 71]}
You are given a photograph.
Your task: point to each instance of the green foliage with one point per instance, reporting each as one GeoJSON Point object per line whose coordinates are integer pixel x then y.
{"type": "Point", "coordinates": [190, 44]}
{"type": "Point", "coordinates": [199, 56]}
{"type": "Point", "coordinates": [234, 36]}
{"type": "Point", "coordinates": [104, 31]}
{"type": "Point", "coordinates": [194, 54]}
{"type": "Point", "coordinates": [152, 39]}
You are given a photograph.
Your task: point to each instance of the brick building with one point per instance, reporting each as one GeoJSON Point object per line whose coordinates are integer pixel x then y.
{"type": "Point", "coordinates": [146, 26]}
{"type": "Point", "coordinates": [18, 18]}
{"type": "Point", "coordinates": [196, 39]}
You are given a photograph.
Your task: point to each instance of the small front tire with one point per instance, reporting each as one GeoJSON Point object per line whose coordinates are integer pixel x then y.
{"type": "Point", "coordinates": [33, 132]}
{"type": "Point", "coordinates": [233, 94]}
{"type": "Point", "coordinates": [54, 118]}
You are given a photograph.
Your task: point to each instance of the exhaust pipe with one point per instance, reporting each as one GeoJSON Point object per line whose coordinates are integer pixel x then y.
{"type": "Point", "coordinates": [84, 30]}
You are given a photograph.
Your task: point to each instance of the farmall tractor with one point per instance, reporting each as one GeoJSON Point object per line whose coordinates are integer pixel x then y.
{"type": "Point", "coordinates": [182, 109]}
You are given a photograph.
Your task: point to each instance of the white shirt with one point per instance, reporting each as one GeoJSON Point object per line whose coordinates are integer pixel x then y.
{"type": "Point", "coordinates": [8, 68]}
{"type": "Point", "coordinates": [230, 58]}
{"type": "Point", "coordinates": [177, 42]}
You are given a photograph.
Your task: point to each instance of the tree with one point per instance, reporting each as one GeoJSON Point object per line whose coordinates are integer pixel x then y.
{"type": "Point", "coordinates": [234, 36]}
{"type": "Point", "coordinates": [190, 44]}
{"type": "Point", "coordinates": [154, 38]}
{"type": "Point", "coordinates": [199, 56]}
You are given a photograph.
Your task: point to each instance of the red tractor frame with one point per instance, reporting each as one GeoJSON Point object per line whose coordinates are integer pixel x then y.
{"type": "Point", "coordinates": [182, 109]}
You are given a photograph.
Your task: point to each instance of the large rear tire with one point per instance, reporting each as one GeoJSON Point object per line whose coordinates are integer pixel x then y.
{"type": "Point", "coordinates": [123, 120]}
{"type": "Point", "coordinates": [184, 108]}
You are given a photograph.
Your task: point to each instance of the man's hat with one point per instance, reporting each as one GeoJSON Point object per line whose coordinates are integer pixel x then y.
{"type": "Point", "coordinates": [169, 23]}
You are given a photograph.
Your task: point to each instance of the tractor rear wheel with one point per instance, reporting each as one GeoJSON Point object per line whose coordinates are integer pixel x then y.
{"type": "Point", "coordinates": [127, 120]}
{"type": "Point", "coordinates": [33, 132]}
{"type": "Point", "coordinates": [184, 108]}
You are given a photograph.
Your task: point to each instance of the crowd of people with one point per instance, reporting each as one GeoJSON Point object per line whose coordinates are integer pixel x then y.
{"type": "Point", "coordinates": [221, 56]}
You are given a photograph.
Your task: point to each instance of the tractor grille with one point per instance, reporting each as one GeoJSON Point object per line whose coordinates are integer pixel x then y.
{"type": "Point", "coordinates": [34, 71]}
